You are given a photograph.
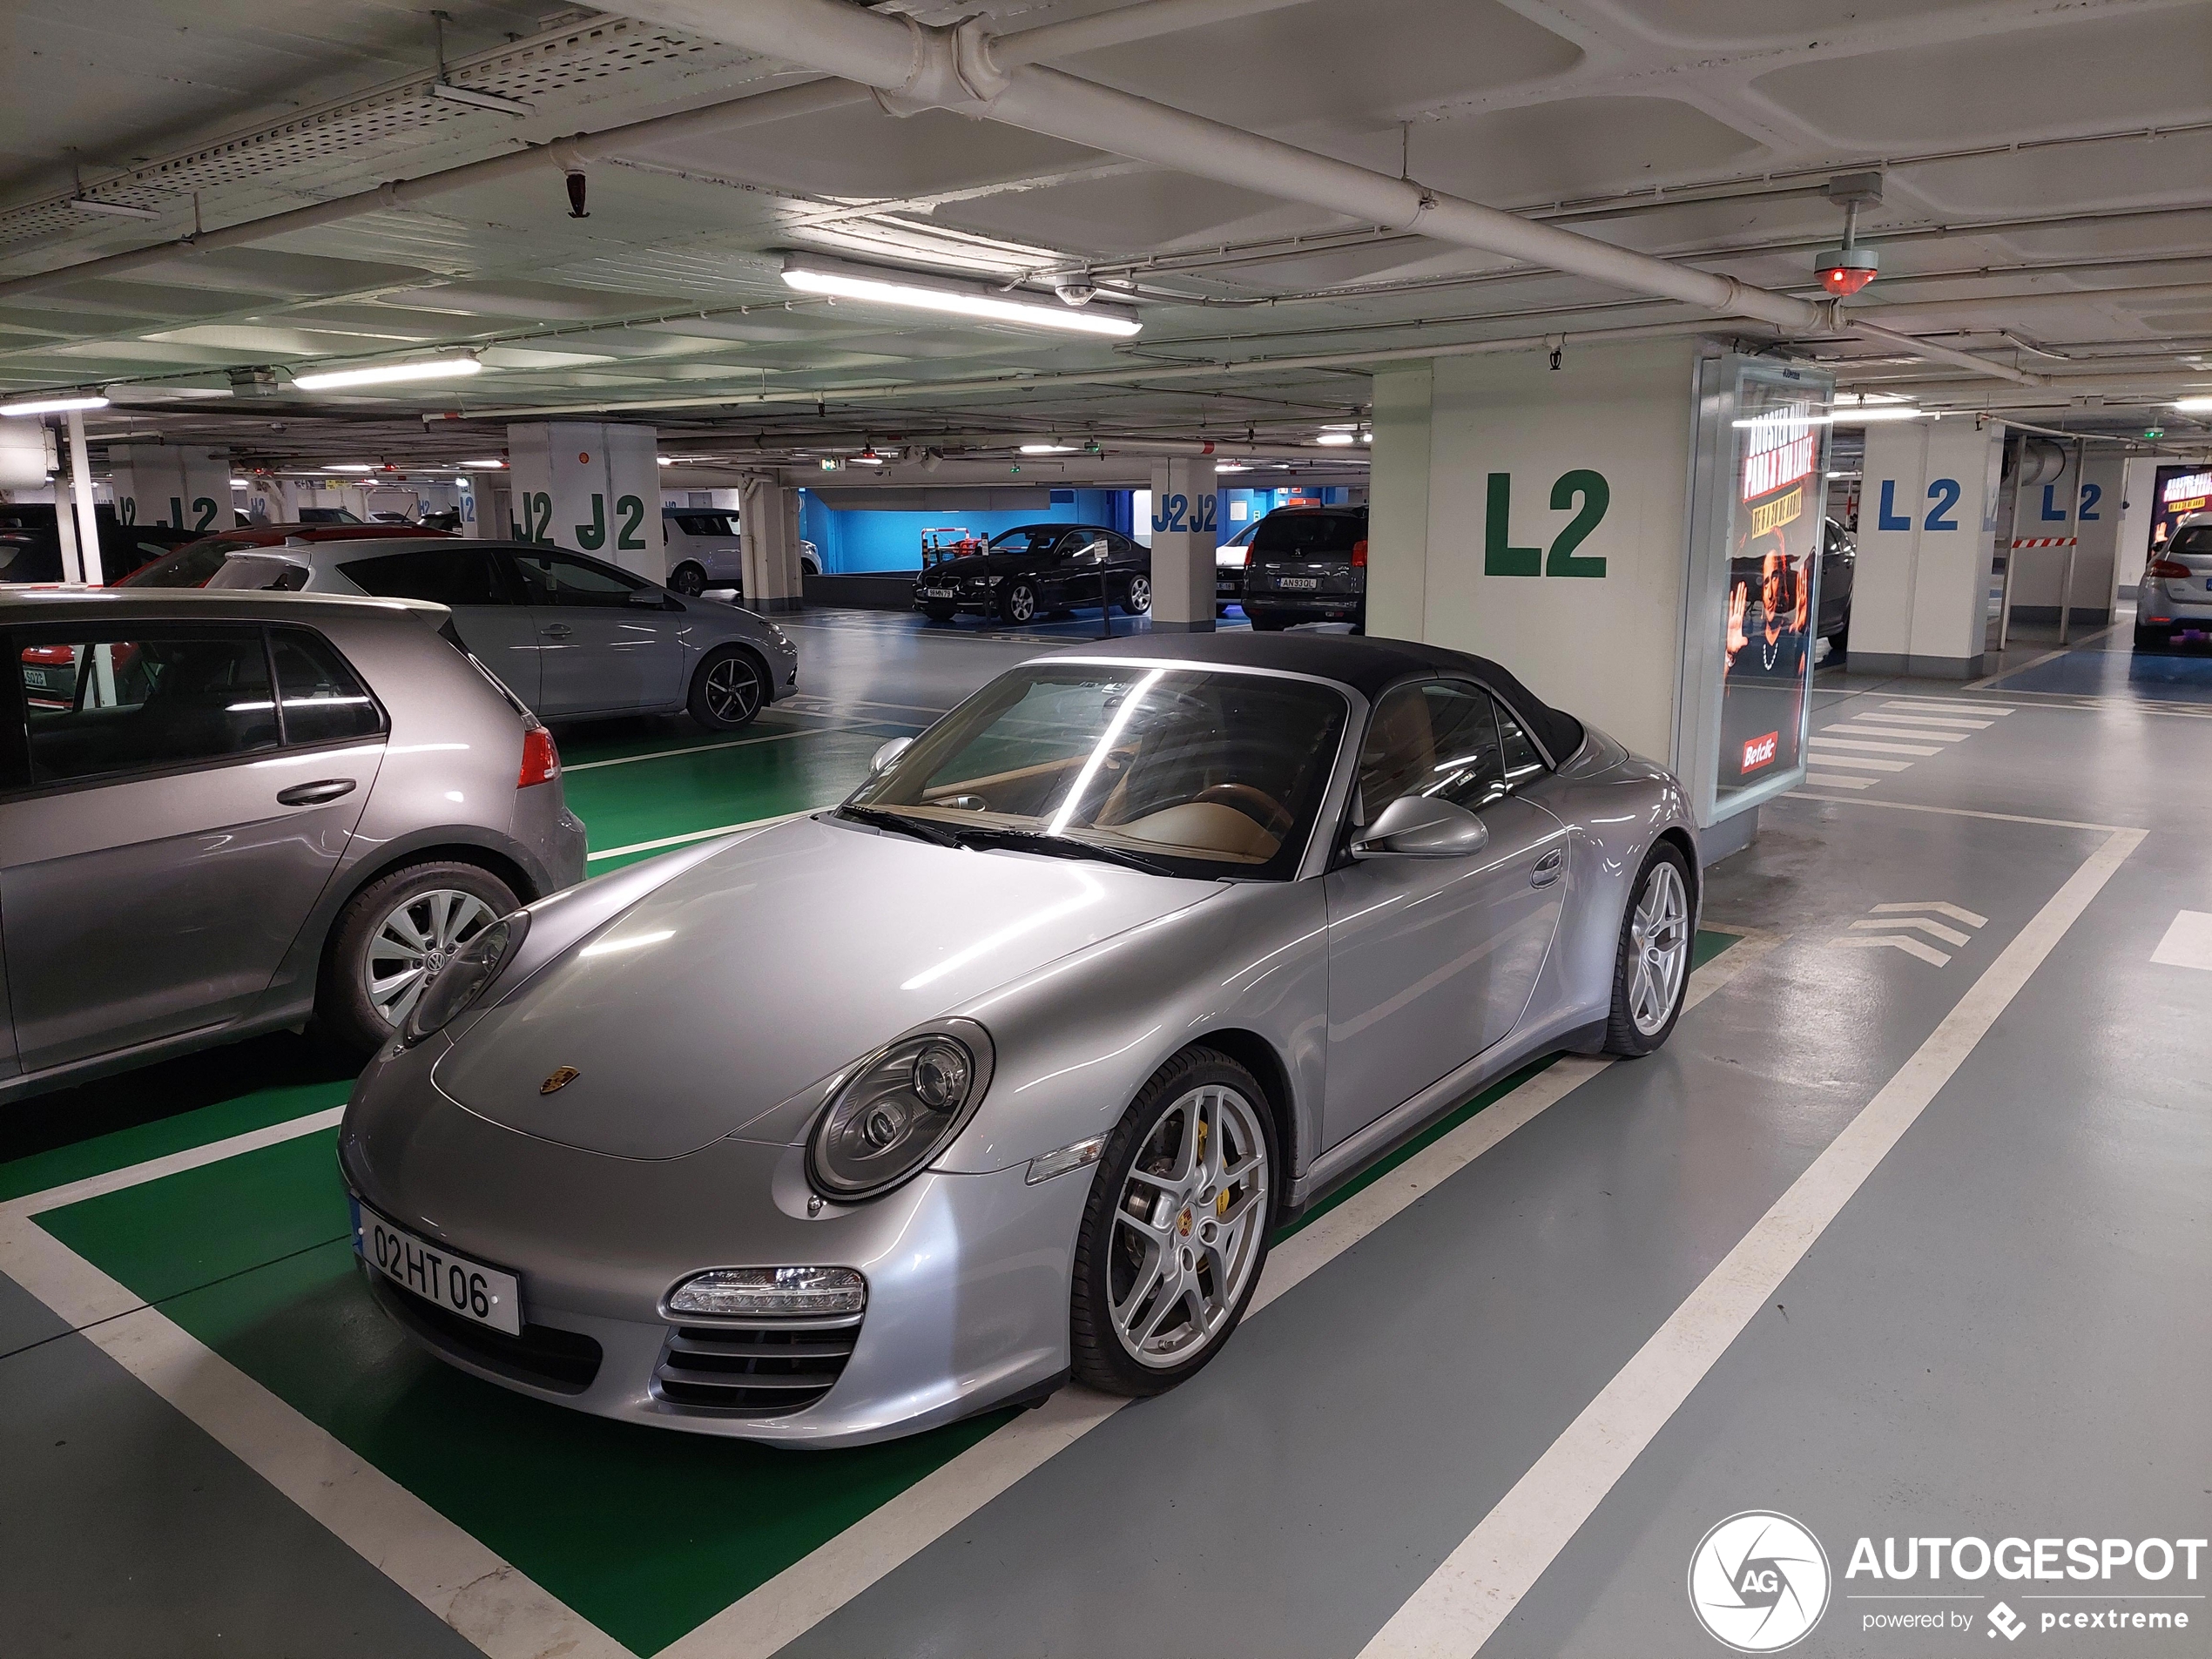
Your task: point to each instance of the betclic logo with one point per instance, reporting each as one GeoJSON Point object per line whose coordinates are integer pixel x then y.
{"type": "Point", "coordinates": [1759, 752]}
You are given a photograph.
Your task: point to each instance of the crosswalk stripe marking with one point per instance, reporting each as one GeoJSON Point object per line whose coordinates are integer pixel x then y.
{"type": "Point", "coordinates": [1944, 708]}
{"type": "Point", "coordinates": [1891, 731]}
{"type": "Point", "coordinates": [1949, 936]}
{"type": "Point", "coordinates": [1836, 781]}
{"type": "Point", "coordinates": [1860, 763]}
{"type": "Point", "coordinates": [1954, 912]}
{"type": "Point", "coordinates": [1904, 942]}
{"type": "Point", "coordinates": [1923, 719]}
{"type": "Point", "coordinates": [1875, 748]}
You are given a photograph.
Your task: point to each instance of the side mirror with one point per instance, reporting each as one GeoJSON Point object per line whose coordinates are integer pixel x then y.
{"type": "Point", "coordinates": [1418, 826]}
{"type": "Point", "coordinates": [889, 752]}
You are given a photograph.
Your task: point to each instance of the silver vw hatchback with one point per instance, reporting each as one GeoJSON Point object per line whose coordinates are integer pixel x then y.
{"type": "Point", "coordinates": [222, 815]}
{"type": "Point", "coordinates": [573, 635]}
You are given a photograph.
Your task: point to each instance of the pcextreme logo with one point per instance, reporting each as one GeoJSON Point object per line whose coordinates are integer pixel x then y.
{"type": "Point", "coordinates": [1758, 1582]}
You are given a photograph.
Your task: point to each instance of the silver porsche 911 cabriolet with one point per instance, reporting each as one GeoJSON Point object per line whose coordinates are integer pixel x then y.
{"type": "Point", "coordinates": [1005, 1070]}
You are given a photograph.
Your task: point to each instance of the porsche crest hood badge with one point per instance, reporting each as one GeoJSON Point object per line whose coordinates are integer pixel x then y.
{"type": "Point", "coordinates": [558, 1081]}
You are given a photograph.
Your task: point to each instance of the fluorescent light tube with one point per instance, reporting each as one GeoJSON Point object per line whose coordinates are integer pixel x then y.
{"type": "Point", "coordinates": [499, 102]}
{"type": "Point", "coordinates": [878, 285]}
{"type": "Point", "coordinates": [442, 369]}
{"type": "Point", "coordinates": [2192, 405]}
{"type": "Point", "coordinates": [53, 405]}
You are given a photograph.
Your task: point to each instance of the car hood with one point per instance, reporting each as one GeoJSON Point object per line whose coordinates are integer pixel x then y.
{"type": "Point", "coordinates": [969, 566]}
{"type": "Point", "coordinates": [764, 969]}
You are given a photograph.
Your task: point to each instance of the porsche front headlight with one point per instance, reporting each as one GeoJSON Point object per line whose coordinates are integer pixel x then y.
{"type": "Point", "coordinates": [899, 1107]}
{"type": "Point", "coordinates": [462, 981]}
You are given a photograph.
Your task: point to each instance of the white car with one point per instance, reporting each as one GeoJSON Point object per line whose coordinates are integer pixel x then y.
{"type": "Point", "coordinates": [1229, 568]}
{"type": "Point", "coordinates": [705, 550]}
{"type": "Point", "coordinates": [2176, 593]}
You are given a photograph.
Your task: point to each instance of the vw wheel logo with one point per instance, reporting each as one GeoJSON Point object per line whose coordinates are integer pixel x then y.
{"type": "Point", "coordinates": [1758, 1583]}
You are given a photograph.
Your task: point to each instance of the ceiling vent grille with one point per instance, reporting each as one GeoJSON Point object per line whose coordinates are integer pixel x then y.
{"type": "Point", "coordinates": [570, 61]}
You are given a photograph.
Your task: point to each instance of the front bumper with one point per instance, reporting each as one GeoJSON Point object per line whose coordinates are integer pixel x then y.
{"type": "Point", "coordinates": [1309, 606]}
{"type": "Point", "coordinates": [967, 1274]}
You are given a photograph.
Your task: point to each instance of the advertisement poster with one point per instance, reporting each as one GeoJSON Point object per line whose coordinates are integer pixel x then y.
{"type": "Point", "coordinates": [1775, 490]}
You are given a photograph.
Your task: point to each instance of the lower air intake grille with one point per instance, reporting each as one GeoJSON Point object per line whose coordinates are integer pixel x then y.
{"type": "Point", "coordinates": [759, 1368]}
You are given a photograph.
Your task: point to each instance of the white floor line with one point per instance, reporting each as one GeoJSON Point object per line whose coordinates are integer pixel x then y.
{"type": "Point", "coordinates": [460, 1580]}
{"type": "Point", "coordinates": [1858, 743]}
{"type": "Point", "coordinates": [1919, 734]}
{"type": "Point", "coordinates": [1857, 762]}
{"type": "Point", "coordinates": [1478, 1586]}
{"type": "Point", "coordinates": [1956, 812]}
{"type": "Point", "coordinates": [808, 1591]}
{"type": "Point", "coordinates": [1883, 717]}
{"type": "Point", "coordinates": [1945, 705]}
{"type": "Point", "coordinates": [706, 748]}
{"type": "Point", "coordinates": [1837, 780]}
{"type": "Point", "coordinates": [690, 836]}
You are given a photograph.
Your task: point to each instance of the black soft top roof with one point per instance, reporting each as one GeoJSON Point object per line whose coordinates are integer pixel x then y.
{"type": "Point", "coordinates": [1370, 666]}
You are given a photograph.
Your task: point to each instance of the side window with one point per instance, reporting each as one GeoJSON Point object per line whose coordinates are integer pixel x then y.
{"type": "Point", "coordinates": [549, 579]}
{"type": "Point", "coordinates": [446, 575]}
{"type": "Point", "coordinates": [1437, 739]}
{"type": "Point", "coordinates": [1523, 762]}
{"type": "Point", "coordinates": [323, 701]}
{"type": "Point", "coordinates": [96, 704]}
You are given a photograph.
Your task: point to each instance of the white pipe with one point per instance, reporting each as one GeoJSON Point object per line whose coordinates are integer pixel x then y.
{"type": "Point", "coordinates": [88, 524]}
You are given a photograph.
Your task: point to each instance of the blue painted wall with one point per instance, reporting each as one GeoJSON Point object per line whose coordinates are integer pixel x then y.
{"type": "Point", "coordinates": [859, 540]}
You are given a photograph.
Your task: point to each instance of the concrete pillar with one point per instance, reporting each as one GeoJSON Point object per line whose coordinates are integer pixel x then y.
{"type": "Point", "coordinates": [2084, 504]}
{"type": "Point", "coordinates": [591, 486]}
{"type": "Point", "coordinates": [768, 530]}
{"type": "Point", "coordinates": [88, 521]}
{"type": "Point", "coordinates": [1927, 524]}
{"type": "Point", "coordinates": [1185, 508]}
{"type": "Point", "coordinates": [1397, 501]}
{"type": "Point", "coordinates": [2139, 506]}
{"type": "Point", "coordinates": [173, 484]}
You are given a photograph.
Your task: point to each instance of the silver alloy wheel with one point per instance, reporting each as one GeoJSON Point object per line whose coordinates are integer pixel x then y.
{"type": "Point", "coordinates": [1021, 602]}
{"type": "Point", "coordinates": [733, 691]}
{"type": "Point", "coordinates": [417, 938]}
{"type": "Point", "coordinates": [1140, 594]}
{"type": "Point", "coordinates": [688, 580]}
{"type": "Point", "coordinates": [1659, 938]}
{"type": "Point", "coordinates": [1189, 1227]}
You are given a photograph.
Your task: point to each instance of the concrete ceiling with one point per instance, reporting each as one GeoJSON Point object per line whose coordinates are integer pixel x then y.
{"type": "Point", "coordinates": [2033, 151]}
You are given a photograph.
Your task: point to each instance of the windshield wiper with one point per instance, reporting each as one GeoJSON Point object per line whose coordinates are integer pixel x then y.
{"type": "Point", "coordinates": [884, 817]}
{"type": "Point", "coordinates": [1062, 847]}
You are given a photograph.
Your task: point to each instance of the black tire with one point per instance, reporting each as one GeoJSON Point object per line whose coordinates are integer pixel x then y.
{"type": "Point", "coordinates": [1839, 641]}
{"type": "Point", "coordinates": [1625, 1033]}
{"type": "Point", "coordinates": [1103, 1248]}
{"type": "Point", "coordinates": [729, 689]}
{"type": "Point", "coordinates": [2154, 639]}
{"type": "Point", "coordinates": [1265, 622]}
{"type": "Point", "coordinates": [344, 1009]}
{"type": "Point", "coordinates": [688, 579]}
{"type": "Point", "coordinates": [1018, 602]}
{"type": "Point", "coordinates": [940, 613]}
{"type": "Point", "coordinates": [1137, 598]}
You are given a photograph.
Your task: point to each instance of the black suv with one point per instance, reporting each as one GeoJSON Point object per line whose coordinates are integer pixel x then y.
{"type": "Point", "coordinates": [1308, 565]}
{"type": "Point", "coordinates": [1035, 569]}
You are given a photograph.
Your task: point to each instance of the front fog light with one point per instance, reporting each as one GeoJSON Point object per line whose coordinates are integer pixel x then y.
{"type": "Point", "coordinates": [772, 1290]}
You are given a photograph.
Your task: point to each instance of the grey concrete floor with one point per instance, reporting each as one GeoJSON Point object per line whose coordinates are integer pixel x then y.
{"type": "Point", "coordinates": [2004, 1332]}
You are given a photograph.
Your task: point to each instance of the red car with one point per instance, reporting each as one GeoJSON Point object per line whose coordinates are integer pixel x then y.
{"type": "Point", "coordinates": [192, 564]}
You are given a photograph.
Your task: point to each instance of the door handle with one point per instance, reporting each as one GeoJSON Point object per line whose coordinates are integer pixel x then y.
{"type": "Point", "coordinates": [315, 793]}
{"type": "Point", "coordinates": [1547, 869]}
{"type": "Point", "coordinates": [557, 630]}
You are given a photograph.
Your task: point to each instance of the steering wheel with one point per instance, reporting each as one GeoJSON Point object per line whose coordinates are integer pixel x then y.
{"type": "Point", "coordinates": [1256, 804]}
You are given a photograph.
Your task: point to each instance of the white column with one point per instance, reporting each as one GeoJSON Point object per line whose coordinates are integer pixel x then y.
{"type": "Point", "coordinates": [2140, 487]}
{"type": "Point", "coordinates": [88, 524]}
{"type": "Point", "coordinates": [1185, 503]}
{"type": "Point", "coordinates": [166, 483]}
{"type": "Point", "coordinates": [1397, 501]}
{"type": "Point", "coordinates": [591, 486]}
{"type": "Point", "coordinates": [768, 529]}
{"type": "Point", "coordinates": [1927, 519]}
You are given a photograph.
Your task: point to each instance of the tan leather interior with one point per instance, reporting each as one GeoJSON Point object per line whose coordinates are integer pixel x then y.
{"type": "Point", "coordinates": [1204, 827]}
{"type": "Point", "coordinates": [1400, 750]}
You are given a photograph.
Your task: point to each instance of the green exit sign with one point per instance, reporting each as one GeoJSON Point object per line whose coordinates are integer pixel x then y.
{"type": "Point", "coordinates": [2154, 431]}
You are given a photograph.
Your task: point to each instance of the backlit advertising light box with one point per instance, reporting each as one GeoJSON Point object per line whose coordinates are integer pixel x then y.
{"type": "Point", "coordinates": [1750, 604]}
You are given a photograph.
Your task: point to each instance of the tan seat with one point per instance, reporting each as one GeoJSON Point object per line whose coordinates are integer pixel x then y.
{"type": "Point", "coordinates": [1399, 754]}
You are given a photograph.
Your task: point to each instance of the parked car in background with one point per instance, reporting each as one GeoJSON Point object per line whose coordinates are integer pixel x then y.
{"type": "Point", "coordinates": [1136, 956]}
{"type": "Point", "coordinates": [30, 544]}
{"type": "Point", "coordinates": [192, 564]}
{"type": "Point", "coordinates": [222, 814]}
{"type": "Point", "coordinates": [1838, 568]}
{"type": "Point", "coordinates": [1229, 567]}
{"type": "Point", "coordinates": [1035, 569]}
{"type": "Point", "coordinates": [574, 637]}
{"type": "Point", "coordinates": [2175, 595]}
{"type": "Point", "coordinates": [705, 550]}
{"type": "Point", "coordinates": [1308, 565]}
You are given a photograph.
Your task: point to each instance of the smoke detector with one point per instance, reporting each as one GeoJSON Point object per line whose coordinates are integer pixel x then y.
{"type": "Point", "coordinates": [1847, 269]}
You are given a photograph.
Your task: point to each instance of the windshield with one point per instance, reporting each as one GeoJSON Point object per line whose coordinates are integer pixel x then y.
{"type": "Point", "coordinates": [1028, 538]}
{"type": "Point", "coordinates": [2193, 541]}
{"type": "Point", "coordinates": [1307, 536]}
{"type": "Point", "coordinates": [1208, 774]}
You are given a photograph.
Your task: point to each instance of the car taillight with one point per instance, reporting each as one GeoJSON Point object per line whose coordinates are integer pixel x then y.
{"type": "Point", "coordinates": [2166, 570]}
{"type": "Point", "coordinates": [1248, 556]}
{"type": "Point", "coordinates": [1360, 553]}
{"type": "Point", "coordinates": [541, 760]}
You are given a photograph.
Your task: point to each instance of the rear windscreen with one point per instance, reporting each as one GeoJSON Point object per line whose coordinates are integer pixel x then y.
{"type": "Point", "coordinates": [2197, 539]}
{"type": "Point", "coordinates": [1307, 536]}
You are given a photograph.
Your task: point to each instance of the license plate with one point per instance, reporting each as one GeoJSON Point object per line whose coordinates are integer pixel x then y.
{"type": "Point", "coordinates": [938, 593]}
{"type": "Point", "coordinates": [34, 676]}
{"type": "Point", "coordinates": [455, 1284]}
{"type": "Point", "coordinates": [1303, 583]}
